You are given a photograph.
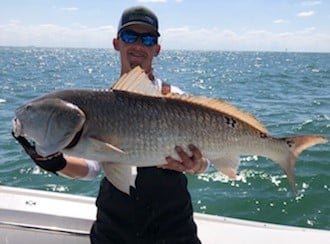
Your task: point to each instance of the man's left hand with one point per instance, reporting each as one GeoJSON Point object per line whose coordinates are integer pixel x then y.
{"type": "Point", "coordinates": [193, 164]}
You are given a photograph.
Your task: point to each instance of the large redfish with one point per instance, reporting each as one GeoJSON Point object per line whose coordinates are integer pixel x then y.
{"type": "Point", "coordinates": [133, 124]}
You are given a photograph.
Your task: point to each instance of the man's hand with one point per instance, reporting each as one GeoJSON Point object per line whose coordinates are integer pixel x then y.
{"type": "Point", "coordinates": [52, 163]}
{"type": "Point", "coordinates": [193, 164]}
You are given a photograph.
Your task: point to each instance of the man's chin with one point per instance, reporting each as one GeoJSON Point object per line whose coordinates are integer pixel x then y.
{"type": "Point", "coordinates": [133, 65]}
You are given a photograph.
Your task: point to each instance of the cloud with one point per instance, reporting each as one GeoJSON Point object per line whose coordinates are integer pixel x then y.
{"type": "Point", "coordinates": [306, 14]}
{"type": "Point", "coordinates": [251, 40]}
{"type": "Point", "coordinates": [17, 33]}
{"type": "Point", "coordinates": [49, 35]}
{"type": "Point", "coordinates": [280, 21]}
{"type": "Point", "coordinates": [311, 3]}
{"type": "Point", "coordinates": [70, 9]}
{"type": "Point", "coordinates": [152, 1]}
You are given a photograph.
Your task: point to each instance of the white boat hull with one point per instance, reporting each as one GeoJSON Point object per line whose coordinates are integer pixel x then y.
{"type": "Point", "coordinates": [31, 216]}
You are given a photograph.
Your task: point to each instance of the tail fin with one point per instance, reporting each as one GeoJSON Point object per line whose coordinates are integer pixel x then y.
{"type": "Point", "coordinates": [296, 145]}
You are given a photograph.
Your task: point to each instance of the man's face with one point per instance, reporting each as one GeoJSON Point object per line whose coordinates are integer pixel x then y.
{"type": "Point", "coordinates": [134, 54]}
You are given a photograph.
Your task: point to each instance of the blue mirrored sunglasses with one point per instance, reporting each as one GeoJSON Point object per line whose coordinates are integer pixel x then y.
{"type": "Point", "coordinates": [130, 37]}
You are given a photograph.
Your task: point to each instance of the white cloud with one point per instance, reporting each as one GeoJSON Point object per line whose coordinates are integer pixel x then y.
{"type": "Point", "coordinates": [50, 35]}
{"type": "Point", "coordinates": [311, 3]}
{"type": "Point", "coordinates": [157, 1]}
{"type": "Point", "coordinates": [214, 39]}
{"type": "Point", "coordinates": [306, 14]}
{"type": "Point", "coordinates": [152, 1]}
{"type": "Point", "coordinates": [14, 21]}
{"type": "Point", "coordinates": [280, 21]}
{"type": "Point", "coordinates": [309, 30]}
{"type": "Point", "coordinates": [70, 9]}
{"type": "Point", "coordinates": [17, 33]}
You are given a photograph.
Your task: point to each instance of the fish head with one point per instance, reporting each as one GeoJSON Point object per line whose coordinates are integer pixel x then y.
{"type": "Point", "coordinates": [51, 123]}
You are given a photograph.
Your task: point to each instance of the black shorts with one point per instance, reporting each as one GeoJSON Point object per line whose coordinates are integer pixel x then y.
{"type": "Point", "coordinates": [158, 210]}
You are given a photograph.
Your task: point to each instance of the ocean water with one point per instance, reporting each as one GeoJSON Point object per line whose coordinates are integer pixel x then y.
{"type": "Point", "coordinates": [288, 92]}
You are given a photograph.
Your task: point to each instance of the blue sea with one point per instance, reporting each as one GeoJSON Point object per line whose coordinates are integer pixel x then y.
{"type": "Point", "coordinates": [288, 92]}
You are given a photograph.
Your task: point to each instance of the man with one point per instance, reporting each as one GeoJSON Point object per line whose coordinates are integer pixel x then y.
{"type": "Point", "coordinates": [157, 207]}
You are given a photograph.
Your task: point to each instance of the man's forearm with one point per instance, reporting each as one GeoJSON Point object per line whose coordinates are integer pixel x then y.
{"type": "Point", "coordinates": [80, 168]}
{"type": "Point", "coordinates": [75, 167]}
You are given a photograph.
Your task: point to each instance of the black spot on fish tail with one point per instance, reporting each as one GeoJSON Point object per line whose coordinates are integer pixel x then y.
{"type": "Point", "coordinates": [230, 121]}
{"type": "Point", "coordinates": [289, 142]}
{"type": "Point", "coordinates": [263, 135]}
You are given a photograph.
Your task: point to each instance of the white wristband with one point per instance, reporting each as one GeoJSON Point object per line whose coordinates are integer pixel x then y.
{"type": "Point", "coordinates": [208, 165]}
{"type": "Point", "coordinates": [94, 170]}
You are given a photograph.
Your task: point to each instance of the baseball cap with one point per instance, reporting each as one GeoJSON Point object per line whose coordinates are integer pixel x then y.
{"type": "Point", "coordinates": [138, 15]}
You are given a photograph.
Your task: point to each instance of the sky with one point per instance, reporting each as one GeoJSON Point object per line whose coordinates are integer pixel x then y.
{"type": "Point", "coordinates": [228, 25]}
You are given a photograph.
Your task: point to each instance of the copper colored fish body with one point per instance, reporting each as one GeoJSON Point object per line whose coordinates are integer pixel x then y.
{"type": "Point", "coordinates": [132, 124]}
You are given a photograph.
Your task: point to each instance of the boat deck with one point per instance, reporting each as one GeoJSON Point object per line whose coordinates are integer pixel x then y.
{"type": "Point", "coordinates": [27, 216]}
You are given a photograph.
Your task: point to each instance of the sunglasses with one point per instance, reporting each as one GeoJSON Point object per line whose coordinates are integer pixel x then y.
{"type": "Point", "coordinates": [130, 37]}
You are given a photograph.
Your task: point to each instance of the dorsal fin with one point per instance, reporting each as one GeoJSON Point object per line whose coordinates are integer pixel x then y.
{"type": "Point", "coordinates": [136, 81]}
{"type": "Point", "coordinates": [223, 107]}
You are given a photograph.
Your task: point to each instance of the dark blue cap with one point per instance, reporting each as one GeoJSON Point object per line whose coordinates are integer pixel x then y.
{"type": "Point", "coordinates": [138, 15]}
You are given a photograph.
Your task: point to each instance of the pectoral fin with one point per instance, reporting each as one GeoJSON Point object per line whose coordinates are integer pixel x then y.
{"type": "Point", "coordinates": [227, 165]}
{"type": "Point", "coordinates": [101, 146]}
{"type": "Point", "coordinates": [230, 172]}
{"type": "Point", "coordinates": [119, 175]}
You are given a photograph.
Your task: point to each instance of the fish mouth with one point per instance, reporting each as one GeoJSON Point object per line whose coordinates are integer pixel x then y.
{"type": "Point", "coordinates": [17, 127]}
